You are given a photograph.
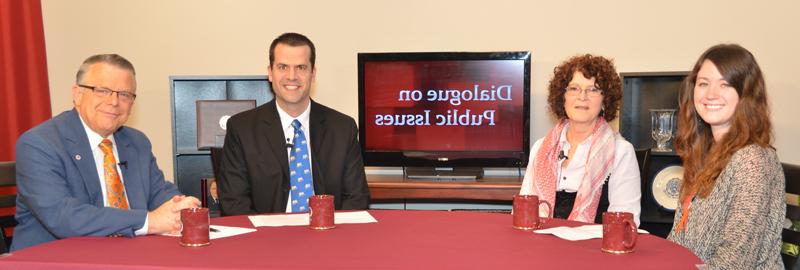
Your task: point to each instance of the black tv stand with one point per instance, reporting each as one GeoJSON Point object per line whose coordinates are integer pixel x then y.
{"type": "Point", "coordinates": [443, 173]}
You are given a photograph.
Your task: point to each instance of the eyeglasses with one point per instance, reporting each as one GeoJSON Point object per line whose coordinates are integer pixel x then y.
{"type": "Point", "coordinates": [124, 96]}
{"type": "Point", "coordinates": [591, 91]}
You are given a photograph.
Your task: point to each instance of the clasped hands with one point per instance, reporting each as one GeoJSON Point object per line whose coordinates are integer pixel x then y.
{"type": "Point", "coordinates": [167, 217]}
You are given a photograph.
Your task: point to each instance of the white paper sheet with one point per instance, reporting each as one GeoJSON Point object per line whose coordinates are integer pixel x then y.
{"type": "Point", "coordinates": [226, 231]}
{"type": "Point", "coordinates": [222, 232]}
{"type": "Point", "coordinates": [577, 233]}
{"type": "Point", "coordinates": [353, 217]}
{"type": "Point", "coordinates": [302, 219]}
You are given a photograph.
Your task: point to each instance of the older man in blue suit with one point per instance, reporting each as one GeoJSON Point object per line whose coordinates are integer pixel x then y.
{"type": "Point", "coordinates": [83, 173]}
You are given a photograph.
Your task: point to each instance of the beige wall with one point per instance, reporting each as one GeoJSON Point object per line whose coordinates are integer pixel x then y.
{"type": "Point", "coordinates": [164, 38]}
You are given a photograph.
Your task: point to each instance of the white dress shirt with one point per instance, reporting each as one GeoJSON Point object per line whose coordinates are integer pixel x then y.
{"type": "Point", "coordinates": [288, 131]}
{"type": "Point", "coordinates": [98, 155]}
{"type": "Point", "coordinates": [624, 183]}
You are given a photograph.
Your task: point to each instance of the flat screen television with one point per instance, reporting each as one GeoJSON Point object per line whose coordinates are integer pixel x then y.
{"type": "Point", "coordinates": [444, 109]}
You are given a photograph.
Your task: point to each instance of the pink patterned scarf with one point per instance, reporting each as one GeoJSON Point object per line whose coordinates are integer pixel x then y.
{"type": "Point", "coordinates": [598, 164]}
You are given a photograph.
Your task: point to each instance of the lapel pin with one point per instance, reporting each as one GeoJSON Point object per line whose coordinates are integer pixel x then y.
{"type": "Point", "coordinates": [77, 157]}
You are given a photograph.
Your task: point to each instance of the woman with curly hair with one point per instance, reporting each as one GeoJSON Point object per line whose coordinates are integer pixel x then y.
{"type": "Point", "coordinates": [732, 197]}
{"type": "Point", "coordinates": [582, 166]}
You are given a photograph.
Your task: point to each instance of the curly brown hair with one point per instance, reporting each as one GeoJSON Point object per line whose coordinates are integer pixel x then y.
{"type": "Point", "coordinates": [598, 67]}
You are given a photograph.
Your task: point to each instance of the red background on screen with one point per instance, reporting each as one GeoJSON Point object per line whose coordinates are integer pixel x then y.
{"type": "Point", "coordinates": [383, 81]}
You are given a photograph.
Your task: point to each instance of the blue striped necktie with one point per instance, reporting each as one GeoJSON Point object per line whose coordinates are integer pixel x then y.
{"type": "Point", "coordinates": [300, 171]}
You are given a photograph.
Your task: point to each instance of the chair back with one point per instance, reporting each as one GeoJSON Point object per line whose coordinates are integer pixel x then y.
{"type": "Point", "coordinates": [8, 203]}
{"type": "Point", "coordinates": [205, 184]}
{"type": "Point", "coordinates": [792, 175]}
{"type": "Point", "coordinates": [216, 159]}
{"type": "Point", "coordinates": [643, 157]}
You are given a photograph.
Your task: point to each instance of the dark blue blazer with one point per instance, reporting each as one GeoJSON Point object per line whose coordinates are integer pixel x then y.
{"type": "Point", "coordinates": [59, 193]}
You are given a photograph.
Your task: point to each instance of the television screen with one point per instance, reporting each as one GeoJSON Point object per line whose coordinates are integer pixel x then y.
{"type": "Point", "coordinates": [444, 109]}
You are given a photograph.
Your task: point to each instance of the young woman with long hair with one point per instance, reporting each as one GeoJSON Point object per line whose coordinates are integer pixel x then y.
{"type": "Point", "coordinates": [732, 199]}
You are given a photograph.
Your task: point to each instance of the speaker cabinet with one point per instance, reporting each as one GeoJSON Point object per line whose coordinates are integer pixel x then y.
{"type": "Point", "coordinates": [642, 92]}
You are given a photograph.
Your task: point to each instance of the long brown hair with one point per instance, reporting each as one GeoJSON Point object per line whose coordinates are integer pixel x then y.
{"type": "Point", "coordinates": [703, 158]}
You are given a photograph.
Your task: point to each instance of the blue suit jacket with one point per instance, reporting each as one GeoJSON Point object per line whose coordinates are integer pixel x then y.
{"type": "Point", "coordinates": [59, 193]}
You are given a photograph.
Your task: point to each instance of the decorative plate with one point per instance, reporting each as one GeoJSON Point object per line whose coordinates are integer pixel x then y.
{"type": "Point", "coordinates": [667, 187]}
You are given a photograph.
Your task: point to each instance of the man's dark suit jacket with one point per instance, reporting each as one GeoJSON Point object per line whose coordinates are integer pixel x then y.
{"type": "Point", "coordinates": [255, 166]}
{"type": "Point", "coordinates": [59, 192]}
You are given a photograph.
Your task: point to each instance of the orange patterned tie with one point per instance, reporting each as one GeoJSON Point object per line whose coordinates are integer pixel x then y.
{"type": "Point", "coordinates": [115, 191]}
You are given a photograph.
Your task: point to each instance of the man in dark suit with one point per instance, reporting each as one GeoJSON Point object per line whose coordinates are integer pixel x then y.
{"type": "Point", "coordinates": [268, 165]}
{"type": "Point", "coordinates": [84, 174]}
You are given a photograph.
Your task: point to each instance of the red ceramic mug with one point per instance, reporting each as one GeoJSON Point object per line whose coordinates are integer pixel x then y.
{"type": "Point", "coordinates": [195, 231]}
{"type": "Point", "coordinates": [526, 212]}
{"type": "Point", "coordinates": [619, 232]}
{"type": "Point", "coordinates": [321, 212]}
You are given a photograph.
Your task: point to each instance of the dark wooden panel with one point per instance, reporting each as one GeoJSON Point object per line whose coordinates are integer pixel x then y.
{"type": "Point", "coordinates": [388, 187]}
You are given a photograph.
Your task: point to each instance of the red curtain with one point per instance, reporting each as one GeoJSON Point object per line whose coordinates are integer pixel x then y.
{"type": "Point", "coordinates": [24, 91]}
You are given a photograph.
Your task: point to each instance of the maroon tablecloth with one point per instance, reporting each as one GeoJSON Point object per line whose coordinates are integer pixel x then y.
{"type": "Point", "coordinates": [400, 240]}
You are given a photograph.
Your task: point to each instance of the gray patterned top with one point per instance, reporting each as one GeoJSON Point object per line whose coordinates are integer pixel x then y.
{"type": "Point", "coordinates": [738, 226]}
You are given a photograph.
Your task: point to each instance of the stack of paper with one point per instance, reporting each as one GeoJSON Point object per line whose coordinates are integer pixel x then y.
{"type": "Point", "coordinates": [302, 219]}
{"type": "Point", "coordinates": [225, 231]}
{"type": "Point", "coordinates": [577, 233]}
{"type": "Point", "coordinates": [218, 231]}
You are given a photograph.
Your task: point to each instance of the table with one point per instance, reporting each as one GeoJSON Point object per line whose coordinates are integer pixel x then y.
{"type": "Point", "coordinates": [400, 240]}
{"type": "Point", "coordinates": [383, 187]}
